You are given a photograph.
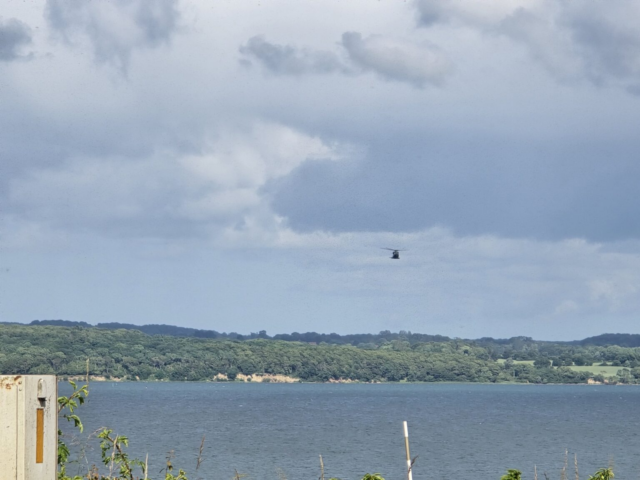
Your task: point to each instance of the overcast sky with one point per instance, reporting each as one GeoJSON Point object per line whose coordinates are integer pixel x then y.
{"type": "Point", "coordinates": [238, 166]}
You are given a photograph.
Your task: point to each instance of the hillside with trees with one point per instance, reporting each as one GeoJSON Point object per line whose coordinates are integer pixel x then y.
{"type": "Point", "coordinates": [134, 355]}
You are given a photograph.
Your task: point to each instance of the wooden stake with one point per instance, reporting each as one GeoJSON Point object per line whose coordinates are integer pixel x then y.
{"type": "Point", "coordinates": [406, 447]}
{"type": "Point", "coordinates": [87, 371]}
{"type": "Point", "coordinates": [200, 453]}
{"type": "Point", "coordinates": [321, 468]}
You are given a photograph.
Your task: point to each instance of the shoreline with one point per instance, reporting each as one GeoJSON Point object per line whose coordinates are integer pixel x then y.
{"type": "Point", "coordinates": [99, 379]}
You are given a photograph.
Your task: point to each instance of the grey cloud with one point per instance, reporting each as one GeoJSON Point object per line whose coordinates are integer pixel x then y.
{"type": "Point", "coordinates": [521, 191]}
{"type": "Point", "coordinates": [101, 195]}
{"type": "Point", "coordinates": [14, 35]}
{"type": "Point", "coordinates": [391, 59]}
{"type": "Point", "coordinates": [394, 60]}
{"type": "Point", "coordinates": [431, 12]}
{"type": "Point", "coordinates": [158, 21]}
{"type": "Point", "coordinates": [596, 41]}
{"type": "Point", "coordinates": [634, 89]}
{"type": "Point", "coordinates": [545, 42]}
{"type": "Point", "coordinates": [289, 60]}
{"type": "Point", "coordinates": [115, 29]}
{"type": "Point", "coordinates": [607, 39]}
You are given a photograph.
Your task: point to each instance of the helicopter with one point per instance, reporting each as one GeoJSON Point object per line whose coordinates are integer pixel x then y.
{"type": "Point", "coordinates": [395, 255]}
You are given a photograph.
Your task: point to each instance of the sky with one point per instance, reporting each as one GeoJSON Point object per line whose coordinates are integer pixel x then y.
{"type": "Point", "coordinates": [239, 166]}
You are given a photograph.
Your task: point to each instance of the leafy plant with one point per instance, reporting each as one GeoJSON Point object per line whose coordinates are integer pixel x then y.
{"type": "Point", "coordinates": [512, 474]}
{"type": "Point", "coordinates": [602, 474]}
{"type": "Point", "coordinates": [112, 447]}
{"type": "Point", "coordinates": [66, 407]}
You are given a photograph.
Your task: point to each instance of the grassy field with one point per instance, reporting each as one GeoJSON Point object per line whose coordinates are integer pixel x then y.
{"type": "Point", "coordinates": [528, 362]}
{"type": "Point", "coordinates": [607, 370]}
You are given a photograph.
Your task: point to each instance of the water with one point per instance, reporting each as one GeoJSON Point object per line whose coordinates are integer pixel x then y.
{"type": "Point", "coordinates": [269, 431]}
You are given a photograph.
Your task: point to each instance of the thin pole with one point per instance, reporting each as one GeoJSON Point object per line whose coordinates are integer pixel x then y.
{"type": "Point", "coordinates": [406, 447]}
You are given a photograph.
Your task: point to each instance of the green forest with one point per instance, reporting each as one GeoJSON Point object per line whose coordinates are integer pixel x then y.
{"type": "Point", "coordinates": [134, 355]}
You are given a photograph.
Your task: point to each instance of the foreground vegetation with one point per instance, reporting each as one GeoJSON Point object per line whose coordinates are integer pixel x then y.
{"type": "Point", "coordinates": [133, 355]}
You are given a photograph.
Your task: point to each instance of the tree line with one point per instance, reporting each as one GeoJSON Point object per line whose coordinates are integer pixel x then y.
{"type": "Point", "coordinates": [358, 339]}
{"type": "Point", "coordinates": [134, 355]}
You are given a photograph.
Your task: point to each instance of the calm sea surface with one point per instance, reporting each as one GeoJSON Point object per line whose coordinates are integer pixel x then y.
{"type": "Point", "coordinates": [273, 431]}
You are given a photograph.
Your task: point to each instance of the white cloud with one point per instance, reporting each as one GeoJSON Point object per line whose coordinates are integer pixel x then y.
{"type": "Point", "coordinates": [616, 291]}
{"type": "Point", "coordinates": [514, 283]}
{"type": "Point", "coordinates": [19, 234]}
{"type": "Point", "coordinates": [566, 307]}
{"type": "Point", "coordinates": [169, 194]}
{"type": "Point", "coordinates": [398, 60]}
